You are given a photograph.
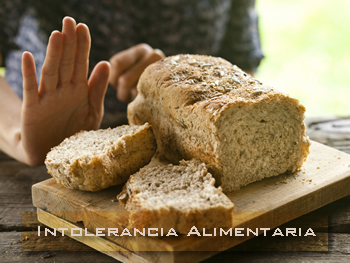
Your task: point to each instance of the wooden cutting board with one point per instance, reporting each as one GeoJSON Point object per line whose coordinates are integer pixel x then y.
{"type": "Point", "coordinates": [324, 178]}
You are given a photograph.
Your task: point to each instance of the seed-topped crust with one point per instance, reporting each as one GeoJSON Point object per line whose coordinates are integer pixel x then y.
{"type": "Point", "coordinates": [204, 107]}
{"type": "Point", "coordinates": [209, 79]}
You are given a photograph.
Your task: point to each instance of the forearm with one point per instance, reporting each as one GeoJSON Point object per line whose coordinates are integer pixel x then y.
{"type": "Point", "coordinates": [10, 122]}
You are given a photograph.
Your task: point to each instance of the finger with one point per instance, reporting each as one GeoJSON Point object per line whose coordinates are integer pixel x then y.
{"type": "Point", "coordinates": [69, 49]}
{"type": "Point", "coordinates": [160, 53]}
{"type": "Point", "coordinates": [30, 85]}
{"type": "Point", "coordinates": [81, 65]}
{"type": "Point", "coordinates": [98, 85]}
{"type": "Point", "coordinates": [49, 72]}
{"type": "Point", "coordinates": [123, 60]}
{"type": "Point", "coordinates": [129, 79]}
{"type": "Point", "coordinates": [133, 93]}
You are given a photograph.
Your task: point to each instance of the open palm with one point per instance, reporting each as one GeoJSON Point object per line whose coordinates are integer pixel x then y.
{"type": "Point", "coordinates": [65, 102]}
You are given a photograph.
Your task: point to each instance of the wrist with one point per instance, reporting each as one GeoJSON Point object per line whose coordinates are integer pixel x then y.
{"type": "Point", "coordinates": [25, 154]}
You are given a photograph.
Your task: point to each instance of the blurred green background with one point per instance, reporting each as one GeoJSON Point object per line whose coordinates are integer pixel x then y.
{"type": "Point", "coordinates": [306, 44]}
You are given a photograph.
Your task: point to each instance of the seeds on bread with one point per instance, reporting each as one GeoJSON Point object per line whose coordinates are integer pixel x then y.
{"type": "Point", "coordinates": [204, 107]}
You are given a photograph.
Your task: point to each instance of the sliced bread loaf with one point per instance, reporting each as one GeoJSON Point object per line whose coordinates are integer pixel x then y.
{"type": "Point", "coordinates": [94, 160]}
{"type": "Point", "coordinates": [204, 107]}
{"type": "Point", "coordinates": [176, 196]}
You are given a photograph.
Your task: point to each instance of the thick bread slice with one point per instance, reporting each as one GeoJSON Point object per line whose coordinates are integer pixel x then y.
{"type": "Point", "coordinates": [204, 107]}
{"type": "Point", "coordinates": [95, 160]}
{"type": "Point", "coordinates": [176, 196]}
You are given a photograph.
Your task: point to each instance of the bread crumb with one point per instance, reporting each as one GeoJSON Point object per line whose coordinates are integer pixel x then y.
{"type": "Point", "coordinates": [318, 167]}
{"type": "Point", "coordinates": [306, 180]}
{"type": "Point", "coordinates": [285, 181]}
{"type": "Point", "coordinates": [25, 239]}
{"type": "Point", "coordinates": [45, 255]}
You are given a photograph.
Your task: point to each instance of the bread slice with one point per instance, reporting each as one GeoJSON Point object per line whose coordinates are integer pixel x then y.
{"type": "Point", "coordinates": [204, 107]}
{"type": "Point", "coordinates": [94, 160]}
{"type": "Point", "coordinates": [176, 196]}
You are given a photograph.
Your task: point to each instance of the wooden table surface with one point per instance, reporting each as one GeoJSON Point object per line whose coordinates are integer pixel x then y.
{"type": "Point", "coordinates": [19, 238]}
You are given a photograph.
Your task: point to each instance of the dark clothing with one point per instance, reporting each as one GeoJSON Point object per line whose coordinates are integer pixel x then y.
{"type": "Point", "coordinates": [225, 28]}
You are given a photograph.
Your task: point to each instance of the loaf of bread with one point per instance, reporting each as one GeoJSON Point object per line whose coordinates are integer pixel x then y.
{"type": "Point", "coordinates": [176, 196]}
{"type": "Point", "coordinates": [204, 107]}
{"type": "Point", "coordinates": [94, 160]}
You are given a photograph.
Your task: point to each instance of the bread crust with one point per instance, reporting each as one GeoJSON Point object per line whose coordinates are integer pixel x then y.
{"type": "Point", "coordinates": [191, 99]}
{"type": "Point", "coordinates": [131, 149]}
{"type": "Point", "coordinates": [154, 204]}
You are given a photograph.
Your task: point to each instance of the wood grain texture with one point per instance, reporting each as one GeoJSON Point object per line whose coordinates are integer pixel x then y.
{"type": "Point", "coordinates": [324, 178]}
{"type": "Point", "coordinates": [16, 180]}
{"type": "Point", "coordinates": [11, 251]}
{"type": "Point", "coordinates": [259, 249]}
{"type": "Point", "coordinates": [15, 191]}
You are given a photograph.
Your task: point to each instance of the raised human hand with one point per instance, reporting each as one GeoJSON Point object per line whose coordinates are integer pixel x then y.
{"type": "Point", "coordinates": [127, 66]}
{"type": "Point", "coordinates": [65, 101]}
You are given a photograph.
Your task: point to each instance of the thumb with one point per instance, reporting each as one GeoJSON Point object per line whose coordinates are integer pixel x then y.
{"type": "Point", "coordinates": [98, 82]}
